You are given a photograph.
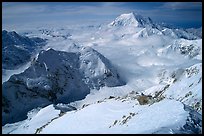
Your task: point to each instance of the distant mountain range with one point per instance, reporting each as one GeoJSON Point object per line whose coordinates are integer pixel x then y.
{"type": "Point", "coordinates": [17, 49]}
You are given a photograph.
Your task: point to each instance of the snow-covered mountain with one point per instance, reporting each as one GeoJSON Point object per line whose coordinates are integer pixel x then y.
{"type": "Point", "coordinates": [17, 49]}
{"type": "Point", "coordinates": [54, 77]}
{"type": "Point", "coordinates": [197, 32]}
{"type": "Point", "coordinates": [128, 76]}
{"type": "Point", "coordinates": [135, 20]}
{"type": "Point", "coordinates": [187, 86]}
{"type": "Point", "coordinates": [188, 48]}
{"type": "Point", "coordinates": [131, 19]}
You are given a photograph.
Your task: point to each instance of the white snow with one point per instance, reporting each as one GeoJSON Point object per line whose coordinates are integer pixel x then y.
{"type": "Point", "coordinates": [33, 122]}
{"type": "Point", "coordinates": [149, 60]}
{"type": "Point", "coordinates": [97, 118]}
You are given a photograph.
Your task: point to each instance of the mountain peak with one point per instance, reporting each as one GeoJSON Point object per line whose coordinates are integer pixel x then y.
{"type": "Point", "coordinates": [131, 19]}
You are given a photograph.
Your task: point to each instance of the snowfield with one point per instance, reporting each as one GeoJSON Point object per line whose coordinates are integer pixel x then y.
{"type": "Point", "coordinates": [36, 119]}
{"type": "Point", "coordinates": [100, 118]}
{"type": "Point", "coordinates": [136, 76]}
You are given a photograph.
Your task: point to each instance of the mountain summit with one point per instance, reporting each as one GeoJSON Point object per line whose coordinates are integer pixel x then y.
{"type": "Point", "coordinates": [131, 19]}
{"type": "Point", "coordinates": [151, 28]}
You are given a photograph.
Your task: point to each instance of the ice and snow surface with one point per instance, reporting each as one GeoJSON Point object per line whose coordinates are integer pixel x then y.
{"type": "Point", "coordinates": [36, 119]}
{"type": "Point", "coordinates": [97, 118]}
{"type": "Point", "coordinates": [148, 59]}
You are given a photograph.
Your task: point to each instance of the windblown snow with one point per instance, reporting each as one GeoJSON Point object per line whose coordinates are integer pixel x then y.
{"type": "Point", "coordinates": [129, 76]}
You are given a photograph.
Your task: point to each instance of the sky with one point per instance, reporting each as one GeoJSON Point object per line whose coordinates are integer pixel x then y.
{"type": "Point", "coordinates": [181, 14]}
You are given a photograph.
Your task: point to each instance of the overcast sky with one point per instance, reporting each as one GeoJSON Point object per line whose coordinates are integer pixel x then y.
{"type": "Point", "coordinates": [182, 14]}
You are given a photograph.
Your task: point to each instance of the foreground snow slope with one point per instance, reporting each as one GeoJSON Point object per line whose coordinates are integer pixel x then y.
{"type": "Point", "coordinates": [100, 118]}
{"type": "Point", "coordinates": [36, 119]}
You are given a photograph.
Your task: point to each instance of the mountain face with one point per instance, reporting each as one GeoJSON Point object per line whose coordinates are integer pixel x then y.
{"type": "Point", "coordinates": [17, 49]}
{"type": "Point", "coordinates": [56, 77]}
{"type": "Point", "coordinates": [97, 70]}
